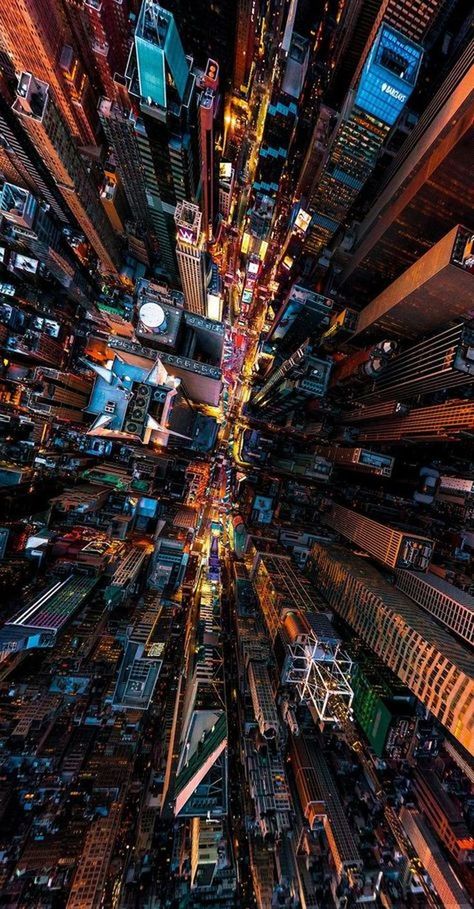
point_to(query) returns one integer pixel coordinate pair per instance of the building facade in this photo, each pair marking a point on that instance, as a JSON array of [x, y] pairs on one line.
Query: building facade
[[430, 662]]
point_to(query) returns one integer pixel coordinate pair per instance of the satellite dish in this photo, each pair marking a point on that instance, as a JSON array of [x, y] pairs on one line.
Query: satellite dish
[[152, 316]]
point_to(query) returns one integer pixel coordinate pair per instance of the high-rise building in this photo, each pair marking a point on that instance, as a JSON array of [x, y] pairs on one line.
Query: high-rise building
[[118, 123], [414, 19], [93, 865], [226, 188], [197, 362], [282, 590], [301, 314], [207, 102], [300, 379], [426, 183], [281, 117], [202, 775], [36, 37], [30, 226], [382, 705], [278, 131], [437, 288], [375, 412], [191, 256], [429, 661], [41, 621], [102, 32], [307, 184], [441, 361], [58, 394], [20, 159], [386, 82], [162, 86], [208, 849], [448, 604], [321, 804], [443, 815], [244, 45], [388, 545], [369, 362], [362, 460], [432, 858], [436, 422], [43, 122], [349, 43]]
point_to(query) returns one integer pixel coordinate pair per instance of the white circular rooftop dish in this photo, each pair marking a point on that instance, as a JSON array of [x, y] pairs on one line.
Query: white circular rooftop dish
[[152, 315]]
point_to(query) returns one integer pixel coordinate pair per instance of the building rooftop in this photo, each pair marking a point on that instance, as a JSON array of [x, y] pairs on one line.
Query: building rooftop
[[159, 55], [137, 679], [52, 608], [414, 616]]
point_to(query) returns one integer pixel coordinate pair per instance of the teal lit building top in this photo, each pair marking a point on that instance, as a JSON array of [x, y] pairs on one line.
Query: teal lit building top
[[159, 51], [389, 75]]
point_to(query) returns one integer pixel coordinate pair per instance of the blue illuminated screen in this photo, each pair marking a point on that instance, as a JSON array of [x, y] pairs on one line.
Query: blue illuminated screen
[[389, 75]]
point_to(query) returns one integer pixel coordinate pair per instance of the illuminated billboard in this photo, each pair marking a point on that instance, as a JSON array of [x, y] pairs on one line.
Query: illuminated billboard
[[187, 235], [225, 170], [211, 76], [23, 263], [303, 220], [245, 243], [292, 309], [316, 308], [389, 75]]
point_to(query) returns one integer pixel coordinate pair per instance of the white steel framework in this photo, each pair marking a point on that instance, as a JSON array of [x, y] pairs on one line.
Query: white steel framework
[[320, 672]]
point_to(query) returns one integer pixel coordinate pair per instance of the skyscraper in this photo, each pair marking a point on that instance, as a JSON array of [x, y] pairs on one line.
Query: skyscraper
[[361, 460], [43, 122], [300, 379], [191, 257], [37, 40], [301, 315], [207, 102], [277, 134], [450, 606], [386, 82], [19, 153], [442, 360], [435, 289], [350, 40], [244, 45], [102, 32], [387, 545], [435, 422], [446, 882], [162, 87], [426, 183], [435, 667], [118, 123]]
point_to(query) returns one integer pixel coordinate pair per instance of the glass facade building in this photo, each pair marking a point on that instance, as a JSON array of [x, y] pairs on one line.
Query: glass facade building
[[389, 76], [386, 82]]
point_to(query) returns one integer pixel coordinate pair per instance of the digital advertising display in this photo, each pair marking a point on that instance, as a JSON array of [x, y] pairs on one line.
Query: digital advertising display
[[389, 75], [303, 220]]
